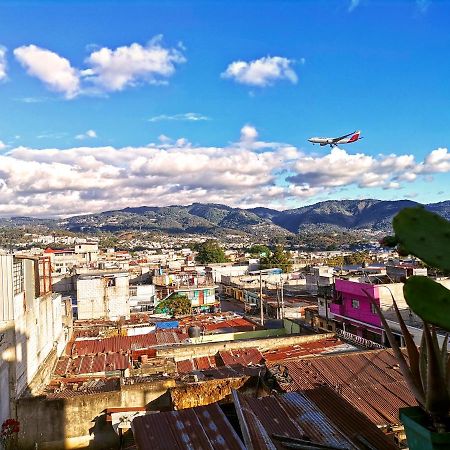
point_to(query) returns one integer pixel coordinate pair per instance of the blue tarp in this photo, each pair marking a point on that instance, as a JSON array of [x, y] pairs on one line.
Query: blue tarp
[[167, 325]]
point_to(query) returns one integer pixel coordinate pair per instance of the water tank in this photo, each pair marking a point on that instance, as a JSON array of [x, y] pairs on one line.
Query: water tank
[[194, 331]]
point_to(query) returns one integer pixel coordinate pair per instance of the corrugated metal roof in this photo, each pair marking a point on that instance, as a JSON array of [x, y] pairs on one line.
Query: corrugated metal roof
[[245, 356], [92, 364], [205, 427], [76, 387], [370, 381], [352, 423], [319, 416], [305, 349]]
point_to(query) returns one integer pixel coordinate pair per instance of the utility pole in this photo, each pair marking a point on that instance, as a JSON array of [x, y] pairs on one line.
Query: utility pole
[[261, 297], [282, 298], [278, 302]]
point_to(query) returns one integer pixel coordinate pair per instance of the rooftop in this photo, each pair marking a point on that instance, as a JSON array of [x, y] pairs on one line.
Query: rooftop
[[319, 418], [371, 381]]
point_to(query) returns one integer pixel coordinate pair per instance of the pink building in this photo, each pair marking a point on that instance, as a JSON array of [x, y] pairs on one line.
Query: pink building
[[352, 308]]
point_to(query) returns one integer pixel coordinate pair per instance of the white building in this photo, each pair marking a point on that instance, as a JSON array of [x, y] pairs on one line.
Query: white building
[[32, 335], [142, 297], [103, 295]]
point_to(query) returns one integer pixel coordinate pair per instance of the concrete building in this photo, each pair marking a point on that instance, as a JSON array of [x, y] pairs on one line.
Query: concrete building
[[103, 295], [87, 252], [353, 312], [319, 276], [142, 297], [32, 335]]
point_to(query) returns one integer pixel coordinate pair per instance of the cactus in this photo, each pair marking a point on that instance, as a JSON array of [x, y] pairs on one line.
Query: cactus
[[427, 370], [424, 234], [427, 236], [429, 300]]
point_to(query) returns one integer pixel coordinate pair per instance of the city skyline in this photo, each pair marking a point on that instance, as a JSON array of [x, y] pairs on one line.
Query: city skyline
[[176, 102]]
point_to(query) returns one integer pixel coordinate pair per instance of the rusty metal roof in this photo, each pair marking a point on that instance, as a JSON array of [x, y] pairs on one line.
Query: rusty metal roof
[[204, 427], [65, 388], [312, 348], [370, 381], [245, 356], [322, 418], [194, 364], [319, 416], [92, 364]]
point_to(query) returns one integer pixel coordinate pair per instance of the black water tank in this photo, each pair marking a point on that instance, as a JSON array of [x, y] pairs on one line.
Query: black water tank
[[194, 331]]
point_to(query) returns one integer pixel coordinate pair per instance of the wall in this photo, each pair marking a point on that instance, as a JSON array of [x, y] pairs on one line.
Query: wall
[[97, 300], [65, 422], [351, 290], [263, 344], [6, 287]]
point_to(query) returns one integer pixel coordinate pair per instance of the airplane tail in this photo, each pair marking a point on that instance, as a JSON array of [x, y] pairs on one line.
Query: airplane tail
[[355, 136]]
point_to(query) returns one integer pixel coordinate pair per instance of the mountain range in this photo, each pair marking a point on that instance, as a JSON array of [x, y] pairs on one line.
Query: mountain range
[[369, 215]]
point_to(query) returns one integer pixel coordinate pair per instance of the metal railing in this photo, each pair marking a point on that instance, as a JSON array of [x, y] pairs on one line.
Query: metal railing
[[357, 340]]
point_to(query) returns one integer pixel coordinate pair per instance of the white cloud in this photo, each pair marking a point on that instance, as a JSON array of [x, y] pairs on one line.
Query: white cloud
[[248, 133], [188, 117], [2, 63], [90, 134], [53, 181], [106, 70], [53, 70], [2, 145], [114, 70], [261, 72], [438, 161], [339, 168]]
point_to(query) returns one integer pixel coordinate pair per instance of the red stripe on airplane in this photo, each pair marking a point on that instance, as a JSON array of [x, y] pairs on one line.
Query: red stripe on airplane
[[354, 138]]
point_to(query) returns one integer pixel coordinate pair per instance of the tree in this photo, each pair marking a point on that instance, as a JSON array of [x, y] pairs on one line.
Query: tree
[[277, 259], [210, 252], [175, 305], [357, 258], [259, 250]]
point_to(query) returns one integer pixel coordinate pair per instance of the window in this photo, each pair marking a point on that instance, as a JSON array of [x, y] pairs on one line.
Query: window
[[355, 304], [372, 308], [18, 277]]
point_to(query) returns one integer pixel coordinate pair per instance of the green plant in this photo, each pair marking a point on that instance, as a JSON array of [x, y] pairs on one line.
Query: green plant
[[427, 369], [175, 305]]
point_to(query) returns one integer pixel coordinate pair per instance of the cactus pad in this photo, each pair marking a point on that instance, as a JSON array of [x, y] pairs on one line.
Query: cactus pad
[[425, 235], [429, 300]]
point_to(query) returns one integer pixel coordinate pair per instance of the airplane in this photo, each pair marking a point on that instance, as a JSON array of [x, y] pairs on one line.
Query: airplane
[[334, 142]]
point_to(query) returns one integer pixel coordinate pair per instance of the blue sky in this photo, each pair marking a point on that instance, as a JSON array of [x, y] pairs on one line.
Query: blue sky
[[146, 95]]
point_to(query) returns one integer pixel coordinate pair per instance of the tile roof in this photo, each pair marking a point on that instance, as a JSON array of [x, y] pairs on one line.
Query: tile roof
[[204, 427], [371, 381]]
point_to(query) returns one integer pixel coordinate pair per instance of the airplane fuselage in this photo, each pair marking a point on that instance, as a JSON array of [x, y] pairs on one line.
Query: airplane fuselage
[[347, 139]]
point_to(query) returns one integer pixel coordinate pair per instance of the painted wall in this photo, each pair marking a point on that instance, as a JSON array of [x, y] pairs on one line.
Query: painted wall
[[351, 291]]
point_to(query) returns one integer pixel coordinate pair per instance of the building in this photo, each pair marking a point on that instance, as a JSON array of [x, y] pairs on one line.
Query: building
[[353, 311], [32, 334], [87, 252], [142, 297], [103, 294], [200, 290]]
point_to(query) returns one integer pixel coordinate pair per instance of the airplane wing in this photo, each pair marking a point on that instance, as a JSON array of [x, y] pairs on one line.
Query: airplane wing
[[343, 137]]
